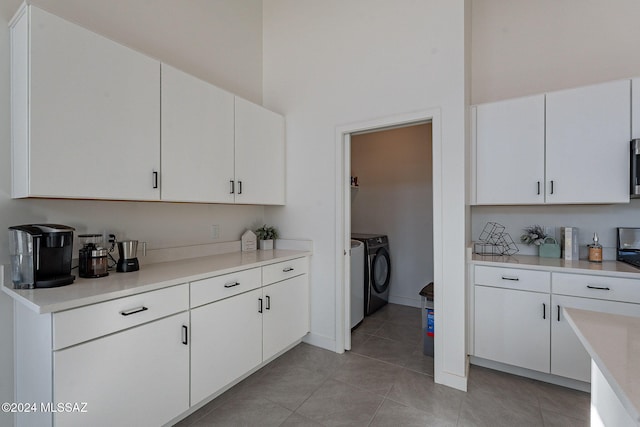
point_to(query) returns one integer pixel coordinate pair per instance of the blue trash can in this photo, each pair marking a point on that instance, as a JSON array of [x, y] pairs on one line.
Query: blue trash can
[[428, 320]]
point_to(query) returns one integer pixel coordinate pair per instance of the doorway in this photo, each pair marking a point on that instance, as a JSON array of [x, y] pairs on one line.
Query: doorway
[[344, 139]]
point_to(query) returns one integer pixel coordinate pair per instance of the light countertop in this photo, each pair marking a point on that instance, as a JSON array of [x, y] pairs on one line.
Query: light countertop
[[613, 342], [605, 268], [150, 277]]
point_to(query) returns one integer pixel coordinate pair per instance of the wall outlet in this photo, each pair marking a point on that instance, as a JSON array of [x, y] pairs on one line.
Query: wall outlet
[[550, 231], [215, 232]]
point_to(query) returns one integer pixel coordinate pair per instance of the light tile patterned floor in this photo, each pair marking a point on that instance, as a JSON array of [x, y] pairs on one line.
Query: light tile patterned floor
[[385, 380]]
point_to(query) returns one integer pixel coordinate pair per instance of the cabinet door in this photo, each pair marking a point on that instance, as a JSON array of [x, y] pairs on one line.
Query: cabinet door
[[94, 115], [197, 139], [635, 108], [226, 342], [286, 314], [510, 151], [512, 327], [259, 154], [568, 356], [136, 377], [587, 143]]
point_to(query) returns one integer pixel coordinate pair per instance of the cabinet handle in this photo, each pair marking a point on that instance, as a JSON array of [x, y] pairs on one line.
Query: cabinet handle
[[233, 186], [239, 187], [260, 309], [538, 188], [155, 180], [551, 187], [134, 311], [601, 288], [185, 335], [288, 269], [558, 313], [231, 284], [514, 278], [268, 307], [544, 310]]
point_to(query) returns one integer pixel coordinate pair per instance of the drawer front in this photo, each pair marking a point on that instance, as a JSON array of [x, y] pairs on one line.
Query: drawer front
[[599, 287], [82, 324], [284, 270], [227, 285], [513, 278]]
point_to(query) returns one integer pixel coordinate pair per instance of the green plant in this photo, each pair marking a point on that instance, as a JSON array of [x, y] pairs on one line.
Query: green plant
[[266, 233], [533, 235]]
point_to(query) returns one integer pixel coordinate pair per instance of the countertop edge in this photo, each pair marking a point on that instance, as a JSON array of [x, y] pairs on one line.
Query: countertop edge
[[42, 308], [615, 386]]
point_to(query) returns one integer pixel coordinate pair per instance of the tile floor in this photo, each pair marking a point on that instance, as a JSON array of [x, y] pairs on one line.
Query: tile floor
[[385, 380]]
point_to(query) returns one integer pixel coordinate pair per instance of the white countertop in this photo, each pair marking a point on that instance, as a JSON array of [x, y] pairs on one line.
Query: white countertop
[[148, 278], [613, 342], [605, 268]]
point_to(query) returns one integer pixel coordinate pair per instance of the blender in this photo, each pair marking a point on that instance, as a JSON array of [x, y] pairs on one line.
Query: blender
[[128, 262], [92, 257]]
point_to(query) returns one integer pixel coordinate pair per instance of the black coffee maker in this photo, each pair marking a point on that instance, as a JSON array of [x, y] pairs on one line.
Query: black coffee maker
[[41, 255]]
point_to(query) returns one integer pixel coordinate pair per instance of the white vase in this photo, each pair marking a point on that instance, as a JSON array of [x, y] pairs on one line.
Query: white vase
[[266, 245]]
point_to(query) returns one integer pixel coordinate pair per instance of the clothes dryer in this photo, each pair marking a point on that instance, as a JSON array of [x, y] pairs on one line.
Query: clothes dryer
[[377, 271]]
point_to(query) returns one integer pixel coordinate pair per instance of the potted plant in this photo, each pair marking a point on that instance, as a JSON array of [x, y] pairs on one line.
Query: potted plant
[[266, 236], [533, 235]]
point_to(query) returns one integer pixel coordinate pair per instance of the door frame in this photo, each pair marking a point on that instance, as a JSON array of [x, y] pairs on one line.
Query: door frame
[[343, 206]]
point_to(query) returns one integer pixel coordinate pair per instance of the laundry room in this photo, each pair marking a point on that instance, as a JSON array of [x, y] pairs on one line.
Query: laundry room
[[392, 218]]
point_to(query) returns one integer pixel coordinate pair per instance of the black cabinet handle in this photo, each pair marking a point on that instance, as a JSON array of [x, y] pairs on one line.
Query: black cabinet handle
[[233, 186], [601, 288], [558, 313], [155, 180], [260, 309], [288, 269], [185, 335], [515, 279], [134, 311], [268, 303], [538, 188], [239, 187], [551, 187], [231, 285], [544, 310]]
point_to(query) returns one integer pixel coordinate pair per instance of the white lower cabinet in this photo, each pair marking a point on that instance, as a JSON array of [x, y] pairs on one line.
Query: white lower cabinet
[[568, 356], [512, 327], [139, 376], [226, 342], [286, 314]]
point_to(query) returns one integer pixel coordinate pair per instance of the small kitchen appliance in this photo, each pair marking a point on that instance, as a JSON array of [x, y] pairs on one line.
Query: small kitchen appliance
[[92, 257], [41, 255], [629, 245], [128, 262]]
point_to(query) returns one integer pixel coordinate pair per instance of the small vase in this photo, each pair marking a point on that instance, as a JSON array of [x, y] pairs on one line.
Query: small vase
[[266, 245]]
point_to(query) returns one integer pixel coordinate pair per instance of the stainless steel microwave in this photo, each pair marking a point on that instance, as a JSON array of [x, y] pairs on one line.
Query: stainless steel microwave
[[634, 190]]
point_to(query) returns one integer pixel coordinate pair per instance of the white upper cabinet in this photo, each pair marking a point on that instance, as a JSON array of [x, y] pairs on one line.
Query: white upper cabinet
[[587, 144], [510, 151], [565, 147], [635, 108], [85, 113], [259, 155], [197, 139]]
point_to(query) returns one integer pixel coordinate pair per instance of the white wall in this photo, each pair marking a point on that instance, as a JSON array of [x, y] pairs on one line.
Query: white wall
[[331, 63], [395, 198], [522, 47], [218, 41]]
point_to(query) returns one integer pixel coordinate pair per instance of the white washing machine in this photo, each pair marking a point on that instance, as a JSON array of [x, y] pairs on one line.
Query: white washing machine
[[357, 282]]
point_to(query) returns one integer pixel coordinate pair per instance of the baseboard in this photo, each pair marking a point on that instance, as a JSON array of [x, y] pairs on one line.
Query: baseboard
[[320, 341], [528, 373], [451, 380], [411, 302]]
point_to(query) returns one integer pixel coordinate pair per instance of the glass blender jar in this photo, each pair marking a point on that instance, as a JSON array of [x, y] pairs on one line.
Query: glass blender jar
[[92, 259]]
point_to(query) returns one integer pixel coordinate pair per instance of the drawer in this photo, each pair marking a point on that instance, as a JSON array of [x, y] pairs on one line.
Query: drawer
[[82, 324], [513, 278], [227, 285], [599, 287], [284, 270]]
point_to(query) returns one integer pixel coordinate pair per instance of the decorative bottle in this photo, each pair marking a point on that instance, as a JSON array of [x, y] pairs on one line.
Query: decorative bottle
[[595, 250]]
